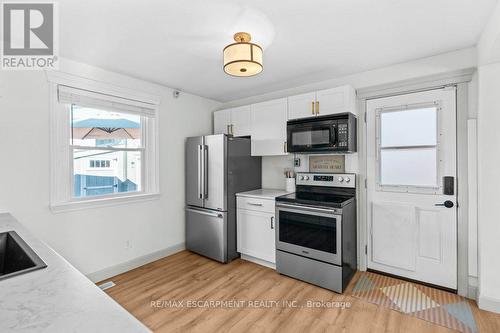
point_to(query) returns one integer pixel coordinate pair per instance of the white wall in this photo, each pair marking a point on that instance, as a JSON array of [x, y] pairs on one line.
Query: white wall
[[488, 185], [92, 239], [489, 41], [488, 164]]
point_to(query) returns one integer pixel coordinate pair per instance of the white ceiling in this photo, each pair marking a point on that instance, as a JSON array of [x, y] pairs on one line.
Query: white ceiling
[[179, 43]]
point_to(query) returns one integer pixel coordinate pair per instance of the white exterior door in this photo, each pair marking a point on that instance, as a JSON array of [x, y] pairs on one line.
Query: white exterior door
[[411, 150]]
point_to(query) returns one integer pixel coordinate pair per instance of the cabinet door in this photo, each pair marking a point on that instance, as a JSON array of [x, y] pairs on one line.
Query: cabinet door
[[256, 234], [269, 128], [336, 100], [241, 121], [222, 120], [301, 106]]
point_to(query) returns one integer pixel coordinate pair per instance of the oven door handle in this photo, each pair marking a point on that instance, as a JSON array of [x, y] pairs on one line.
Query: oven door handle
[[331, 211]]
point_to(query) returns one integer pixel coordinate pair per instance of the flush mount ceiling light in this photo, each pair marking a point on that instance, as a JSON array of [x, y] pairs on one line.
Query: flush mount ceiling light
[[242, 58]]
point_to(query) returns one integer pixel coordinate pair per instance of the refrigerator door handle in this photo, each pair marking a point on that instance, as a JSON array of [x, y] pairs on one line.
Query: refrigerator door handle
[[205, 172], [200, 173]]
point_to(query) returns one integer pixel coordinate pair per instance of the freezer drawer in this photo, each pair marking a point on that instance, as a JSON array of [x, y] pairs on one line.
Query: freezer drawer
[[206, 233]]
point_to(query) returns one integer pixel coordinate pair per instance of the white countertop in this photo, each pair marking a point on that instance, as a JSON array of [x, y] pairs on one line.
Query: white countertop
[[263, 193], [57, 298]]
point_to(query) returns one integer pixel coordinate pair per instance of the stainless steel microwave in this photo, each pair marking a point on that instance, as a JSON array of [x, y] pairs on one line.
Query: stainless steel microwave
[[331, 133]]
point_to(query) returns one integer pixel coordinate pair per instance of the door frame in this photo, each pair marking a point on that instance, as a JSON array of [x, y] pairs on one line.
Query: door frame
[[460, 79]]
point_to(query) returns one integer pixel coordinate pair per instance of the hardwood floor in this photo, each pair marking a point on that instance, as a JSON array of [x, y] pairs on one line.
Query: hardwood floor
[[186, 277]]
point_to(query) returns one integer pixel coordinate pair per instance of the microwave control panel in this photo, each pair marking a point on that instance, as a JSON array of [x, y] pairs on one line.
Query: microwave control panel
[[342, 134]]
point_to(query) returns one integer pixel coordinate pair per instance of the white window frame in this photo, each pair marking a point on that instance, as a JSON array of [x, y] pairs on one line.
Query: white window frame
[[61, 168], [409, 188]]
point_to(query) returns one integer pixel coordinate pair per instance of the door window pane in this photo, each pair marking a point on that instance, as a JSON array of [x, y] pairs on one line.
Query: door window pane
[[413, 127], [410, 167], [115, 172]]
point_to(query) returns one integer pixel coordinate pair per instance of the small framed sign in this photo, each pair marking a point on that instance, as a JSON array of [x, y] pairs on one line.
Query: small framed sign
[[327, 163]]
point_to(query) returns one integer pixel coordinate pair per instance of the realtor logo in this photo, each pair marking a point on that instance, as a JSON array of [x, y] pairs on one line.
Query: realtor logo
[[29, 36]]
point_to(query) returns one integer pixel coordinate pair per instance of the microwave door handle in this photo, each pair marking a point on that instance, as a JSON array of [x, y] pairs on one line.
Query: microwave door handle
[[334, 135]]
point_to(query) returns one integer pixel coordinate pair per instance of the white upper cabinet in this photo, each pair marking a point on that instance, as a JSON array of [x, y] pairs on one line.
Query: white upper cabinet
[[301, 106], [235, 121], [265, 122], [323, 102], [336, 100], [269, 128], [241, 121], [222, 121]]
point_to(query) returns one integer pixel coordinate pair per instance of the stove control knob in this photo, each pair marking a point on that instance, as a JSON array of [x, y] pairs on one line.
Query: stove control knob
[[347, 179], [301, 177], [306, 177], [341, 179]]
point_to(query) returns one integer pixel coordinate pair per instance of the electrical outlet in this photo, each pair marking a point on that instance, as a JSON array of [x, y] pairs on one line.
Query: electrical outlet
[[296, 162], [128, 244]]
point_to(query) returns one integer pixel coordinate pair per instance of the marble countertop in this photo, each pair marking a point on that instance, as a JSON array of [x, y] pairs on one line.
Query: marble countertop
[[57, 298], [263, 193]]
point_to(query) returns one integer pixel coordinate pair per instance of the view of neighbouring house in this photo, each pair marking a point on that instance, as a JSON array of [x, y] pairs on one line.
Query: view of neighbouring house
[[106, 152]]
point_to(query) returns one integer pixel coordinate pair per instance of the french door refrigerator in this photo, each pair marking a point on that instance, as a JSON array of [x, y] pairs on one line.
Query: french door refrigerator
[[217, 167]]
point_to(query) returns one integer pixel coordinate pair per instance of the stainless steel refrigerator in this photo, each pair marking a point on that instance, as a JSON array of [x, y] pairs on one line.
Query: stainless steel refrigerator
[[217, 167]]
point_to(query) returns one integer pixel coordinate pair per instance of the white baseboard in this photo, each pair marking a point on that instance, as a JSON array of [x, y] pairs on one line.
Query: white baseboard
[[134, 263], [258, 261], [489, 303]]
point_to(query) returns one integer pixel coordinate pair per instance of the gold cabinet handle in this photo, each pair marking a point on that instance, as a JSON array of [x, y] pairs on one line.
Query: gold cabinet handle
[[317, 107], [284, 146], [312, 107]]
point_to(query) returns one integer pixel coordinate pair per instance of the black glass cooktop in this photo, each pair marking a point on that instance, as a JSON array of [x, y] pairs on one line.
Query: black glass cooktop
[[317, 199]]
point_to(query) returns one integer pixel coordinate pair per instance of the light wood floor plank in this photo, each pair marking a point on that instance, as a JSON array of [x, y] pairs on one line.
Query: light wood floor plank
[[187, 276]]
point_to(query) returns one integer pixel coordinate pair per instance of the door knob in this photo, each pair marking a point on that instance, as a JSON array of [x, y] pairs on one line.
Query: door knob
[[447, 204]]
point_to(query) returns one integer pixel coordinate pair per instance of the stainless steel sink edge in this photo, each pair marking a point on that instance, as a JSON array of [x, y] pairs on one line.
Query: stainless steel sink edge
[[39, 263]]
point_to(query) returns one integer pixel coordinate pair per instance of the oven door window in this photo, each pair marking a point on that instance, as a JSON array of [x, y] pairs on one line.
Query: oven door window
[[313, 137], [308, 231]]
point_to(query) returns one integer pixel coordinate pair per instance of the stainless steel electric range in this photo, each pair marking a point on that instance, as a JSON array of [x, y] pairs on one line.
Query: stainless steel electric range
[[316, 230]]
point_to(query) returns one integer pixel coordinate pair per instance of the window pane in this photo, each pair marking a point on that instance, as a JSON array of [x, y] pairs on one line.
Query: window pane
[[120, 172], [410, 167], [416, 127], [99, 128]]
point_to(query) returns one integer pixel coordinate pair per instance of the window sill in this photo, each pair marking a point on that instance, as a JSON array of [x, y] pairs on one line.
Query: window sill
[[101, 202]]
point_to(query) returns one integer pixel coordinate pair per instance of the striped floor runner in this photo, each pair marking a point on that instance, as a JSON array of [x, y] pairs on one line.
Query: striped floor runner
[[430, 304]]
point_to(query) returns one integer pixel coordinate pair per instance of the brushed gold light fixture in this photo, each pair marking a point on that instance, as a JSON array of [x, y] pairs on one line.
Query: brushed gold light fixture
[[243, 58]]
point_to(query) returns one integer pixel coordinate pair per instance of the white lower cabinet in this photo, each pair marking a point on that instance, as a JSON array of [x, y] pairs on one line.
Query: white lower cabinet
[[256, 234]]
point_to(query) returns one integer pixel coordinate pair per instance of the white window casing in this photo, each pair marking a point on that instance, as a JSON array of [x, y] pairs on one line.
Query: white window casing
[[65, 90]]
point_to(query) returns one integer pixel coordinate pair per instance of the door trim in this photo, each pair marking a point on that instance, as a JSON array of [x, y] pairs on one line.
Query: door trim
[[461, 80]]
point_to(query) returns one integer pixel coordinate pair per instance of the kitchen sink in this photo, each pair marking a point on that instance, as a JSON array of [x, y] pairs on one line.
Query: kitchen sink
[[16, 257]]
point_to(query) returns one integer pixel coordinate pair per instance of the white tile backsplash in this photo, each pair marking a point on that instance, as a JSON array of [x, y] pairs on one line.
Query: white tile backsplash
[[273, 168]]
